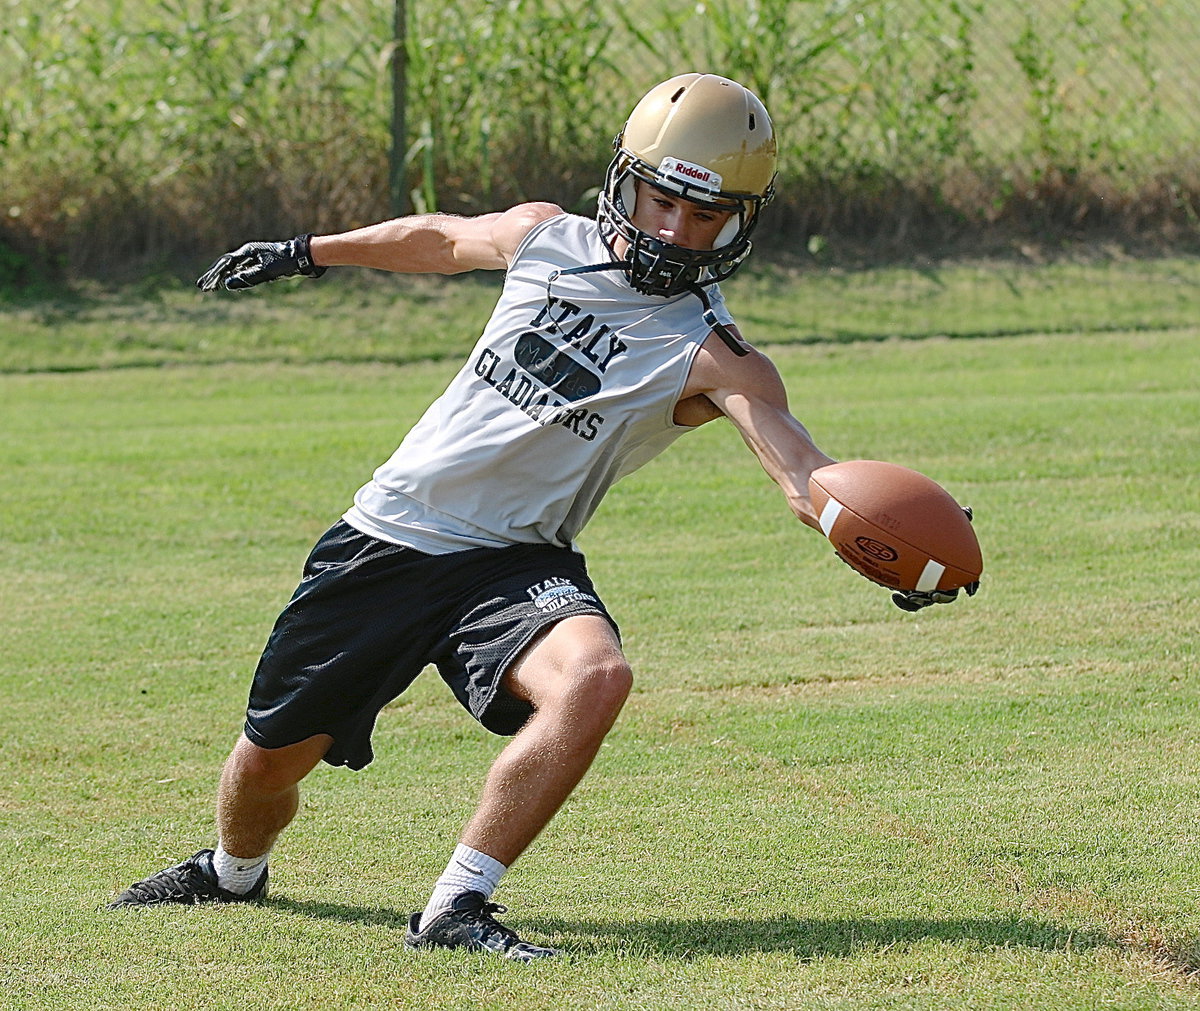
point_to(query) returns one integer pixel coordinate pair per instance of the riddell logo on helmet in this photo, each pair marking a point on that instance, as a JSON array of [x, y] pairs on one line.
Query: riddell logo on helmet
[[685, 171]]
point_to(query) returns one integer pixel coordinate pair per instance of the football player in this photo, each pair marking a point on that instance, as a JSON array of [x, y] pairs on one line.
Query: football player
[[609, 341]]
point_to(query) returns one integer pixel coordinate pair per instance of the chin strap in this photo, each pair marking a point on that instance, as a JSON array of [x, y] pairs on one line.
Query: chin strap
[[589, 268], [709, 316], [719, 328]]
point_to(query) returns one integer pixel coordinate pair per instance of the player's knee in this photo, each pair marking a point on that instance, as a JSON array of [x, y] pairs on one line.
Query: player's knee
[[601, 685], [271, 770]]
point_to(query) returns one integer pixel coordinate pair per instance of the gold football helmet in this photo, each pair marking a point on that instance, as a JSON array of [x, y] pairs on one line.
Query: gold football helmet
[[704, 138]]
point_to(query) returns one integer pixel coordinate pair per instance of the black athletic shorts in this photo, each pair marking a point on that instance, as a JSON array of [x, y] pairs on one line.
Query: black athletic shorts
[[369, 616]]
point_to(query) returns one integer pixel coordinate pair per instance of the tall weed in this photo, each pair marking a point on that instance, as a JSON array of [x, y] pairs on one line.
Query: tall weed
[[508, 99]]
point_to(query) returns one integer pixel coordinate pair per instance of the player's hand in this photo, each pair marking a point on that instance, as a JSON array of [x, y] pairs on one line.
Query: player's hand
[[257, 262], [915, 600]]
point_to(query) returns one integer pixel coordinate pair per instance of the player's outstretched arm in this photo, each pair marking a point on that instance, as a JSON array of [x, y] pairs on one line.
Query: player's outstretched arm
[[418, 244], [435, 243], [748, 391]]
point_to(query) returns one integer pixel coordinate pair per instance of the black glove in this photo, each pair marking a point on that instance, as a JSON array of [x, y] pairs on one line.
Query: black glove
[[914, 600], [256, 262]]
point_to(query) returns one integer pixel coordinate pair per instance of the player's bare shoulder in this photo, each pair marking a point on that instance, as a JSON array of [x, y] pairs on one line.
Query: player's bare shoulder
[[487, 241], [717, 369], [510, 227]]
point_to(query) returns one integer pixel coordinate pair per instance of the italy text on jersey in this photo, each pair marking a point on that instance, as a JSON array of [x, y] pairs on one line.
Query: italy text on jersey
[[542, 379]]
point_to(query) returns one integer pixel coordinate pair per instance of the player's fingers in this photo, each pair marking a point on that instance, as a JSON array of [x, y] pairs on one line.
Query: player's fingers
[[240, 274], [230, 266], [909, 601], [241, 280], [211, 278]]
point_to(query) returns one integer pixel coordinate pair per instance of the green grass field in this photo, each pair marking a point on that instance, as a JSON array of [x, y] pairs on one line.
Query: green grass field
[[812, 800]]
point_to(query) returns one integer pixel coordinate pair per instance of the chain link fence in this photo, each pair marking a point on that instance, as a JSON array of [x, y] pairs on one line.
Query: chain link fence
[[142, 129]]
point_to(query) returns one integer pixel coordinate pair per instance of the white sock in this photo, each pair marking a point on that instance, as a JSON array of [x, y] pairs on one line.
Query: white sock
[[237, 874], [468, 871]]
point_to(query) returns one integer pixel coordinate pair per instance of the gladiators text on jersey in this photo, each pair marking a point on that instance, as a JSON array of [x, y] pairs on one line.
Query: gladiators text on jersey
[[543, 379]]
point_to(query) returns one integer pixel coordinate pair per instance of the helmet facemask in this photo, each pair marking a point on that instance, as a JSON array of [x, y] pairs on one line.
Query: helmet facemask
[[657, 267]]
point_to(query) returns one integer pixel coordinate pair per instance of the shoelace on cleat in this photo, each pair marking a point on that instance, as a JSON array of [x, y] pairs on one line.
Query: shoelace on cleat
[[497, 936], [188, 880], [485, 916]]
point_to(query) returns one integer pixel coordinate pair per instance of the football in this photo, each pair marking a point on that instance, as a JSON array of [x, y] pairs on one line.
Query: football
[[895, 526]]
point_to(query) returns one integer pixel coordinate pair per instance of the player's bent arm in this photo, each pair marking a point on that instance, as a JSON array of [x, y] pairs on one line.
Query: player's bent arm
[[749, 392], [434, 243]]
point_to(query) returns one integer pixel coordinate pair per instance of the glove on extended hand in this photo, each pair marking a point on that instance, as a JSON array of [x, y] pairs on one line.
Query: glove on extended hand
[[914, 600], [256, 262]]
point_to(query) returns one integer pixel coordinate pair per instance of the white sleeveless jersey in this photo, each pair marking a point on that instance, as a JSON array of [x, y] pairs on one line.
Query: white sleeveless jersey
[[567, 391]]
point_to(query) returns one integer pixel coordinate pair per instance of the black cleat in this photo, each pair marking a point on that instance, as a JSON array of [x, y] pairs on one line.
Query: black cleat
[[471, 925], [191, 882]]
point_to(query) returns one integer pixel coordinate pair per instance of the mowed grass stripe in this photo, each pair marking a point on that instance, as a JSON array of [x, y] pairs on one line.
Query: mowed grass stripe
[[351, 317]]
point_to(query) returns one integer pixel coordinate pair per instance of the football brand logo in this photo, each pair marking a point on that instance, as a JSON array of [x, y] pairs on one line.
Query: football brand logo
[[876, 549]]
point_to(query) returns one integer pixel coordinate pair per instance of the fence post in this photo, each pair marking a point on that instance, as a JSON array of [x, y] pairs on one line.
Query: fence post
[[397, 181]]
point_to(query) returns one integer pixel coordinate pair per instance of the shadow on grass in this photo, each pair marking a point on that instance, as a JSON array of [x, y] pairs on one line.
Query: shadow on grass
[[379, 917], [807, 938], [802, 937]]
